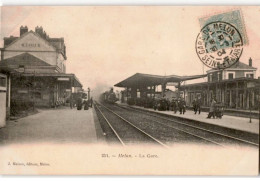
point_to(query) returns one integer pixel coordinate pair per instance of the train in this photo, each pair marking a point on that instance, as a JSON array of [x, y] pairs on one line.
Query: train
[[109, 96]]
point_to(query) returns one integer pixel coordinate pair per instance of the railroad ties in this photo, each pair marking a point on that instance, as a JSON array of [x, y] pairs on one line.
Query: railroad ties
[[127, 126]]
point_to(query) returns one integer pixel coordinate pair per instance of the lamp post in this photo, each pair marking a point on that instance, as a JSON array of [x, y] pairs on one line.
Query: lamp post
[[250, 119], [88, 93], [259, 106]]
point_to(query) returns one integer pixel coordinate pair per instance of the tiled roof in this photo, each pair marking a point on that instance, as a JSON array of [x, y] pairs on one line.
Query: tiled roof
[[23, 59], [139, 79], [241, 65], [9, 40]]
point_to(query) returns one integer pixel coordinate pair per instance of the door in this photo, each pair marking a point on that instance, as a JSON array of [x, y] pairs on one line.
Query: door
[[2, 100]]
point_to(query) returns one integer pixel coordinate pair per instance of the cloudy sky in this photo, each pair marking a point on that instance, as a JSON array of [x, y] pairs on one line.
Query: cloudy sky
[[108, 44]]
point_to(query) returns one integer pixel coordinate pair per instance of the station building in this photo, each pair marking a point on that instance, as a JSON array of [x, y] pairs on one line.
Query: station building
[[143, 86], [236, 87], [35, 68]]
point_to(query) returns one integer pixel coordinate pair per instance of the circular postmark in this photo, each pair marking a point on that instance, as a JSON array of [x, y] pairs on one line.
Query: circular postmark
[[219, 45]]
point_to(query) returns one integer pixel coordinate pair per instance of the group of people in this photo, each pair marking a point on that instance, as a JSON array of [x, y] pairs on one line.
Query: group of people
[[215, 109], [84, 102], [178, 104], [175, 104]]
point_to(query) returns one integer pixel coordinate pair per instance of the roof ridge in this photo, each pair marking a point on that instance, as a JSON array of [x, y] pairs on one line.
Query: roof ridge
[[36, 34], [246, 64], [235, 66]]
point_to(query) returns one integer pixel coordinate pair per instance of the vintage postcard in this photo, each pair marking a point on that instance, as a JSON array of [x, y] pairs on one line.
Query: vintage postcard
[[129, 90]]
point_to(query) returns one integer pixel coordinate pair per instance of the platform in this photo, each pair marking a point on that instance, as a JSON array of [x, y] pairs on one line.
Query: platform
[[234, 112], [61, 125], [233, 122]]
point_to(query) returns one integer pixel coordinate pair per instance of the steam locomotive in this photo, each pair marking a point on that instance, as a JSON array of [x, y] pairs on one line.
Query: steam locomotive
[[109, 97]]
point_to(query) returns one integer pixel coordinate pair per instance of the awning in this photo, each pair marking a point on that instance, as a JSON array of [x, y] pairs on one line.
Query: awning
[[7, 70], [59, 76], [141, 80]]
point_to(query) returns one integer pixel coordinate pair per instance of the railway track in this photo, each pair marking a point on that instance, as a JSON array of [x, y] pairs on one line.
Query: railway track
[[163, 133], [124, 131], [195, 130]]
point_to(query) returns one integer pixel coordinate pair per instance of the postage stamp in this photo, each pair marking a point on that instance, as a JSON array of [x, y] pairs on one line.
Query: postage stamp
[[234, 18], [219, 45]]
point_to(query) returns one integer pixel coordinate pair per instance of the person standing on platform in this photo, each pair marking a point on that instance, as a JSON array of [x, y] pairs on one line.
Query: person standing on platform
[[85, 102], [91, 102], [194, 104], [79, 103], [179, 104], [174, 105], [212, 109], [198, 105], [182, 106], [168, 102], [71, 101]]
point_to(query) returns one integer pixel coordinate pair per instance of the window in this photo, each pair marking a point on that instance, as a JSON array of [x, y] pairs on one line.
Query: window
[[230, 75], [198, 95], [37, 95], [138, 94], [219, 78], [249, 75], [210, 77], [2, 82]]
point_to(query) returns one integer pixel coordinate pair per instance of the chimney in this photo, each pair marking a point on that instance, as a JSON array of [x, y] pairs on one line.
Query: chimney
[[23, 30], [39, 31], [44, 35], [250, 62]]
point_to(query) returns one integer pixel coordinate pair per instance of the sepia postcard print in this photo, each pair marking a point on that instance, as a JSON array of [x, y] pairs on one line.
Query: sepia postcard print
[[129, 90]]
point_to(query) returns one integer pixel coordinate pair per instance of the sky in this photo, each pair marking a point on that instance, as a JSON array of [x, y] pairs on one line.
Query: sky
[[106, 44]]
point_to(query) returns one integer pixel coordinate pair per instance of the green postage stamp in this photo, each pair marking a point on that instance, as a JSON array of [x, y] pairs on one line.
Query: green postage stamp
[[234, 18], [220, 42]]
